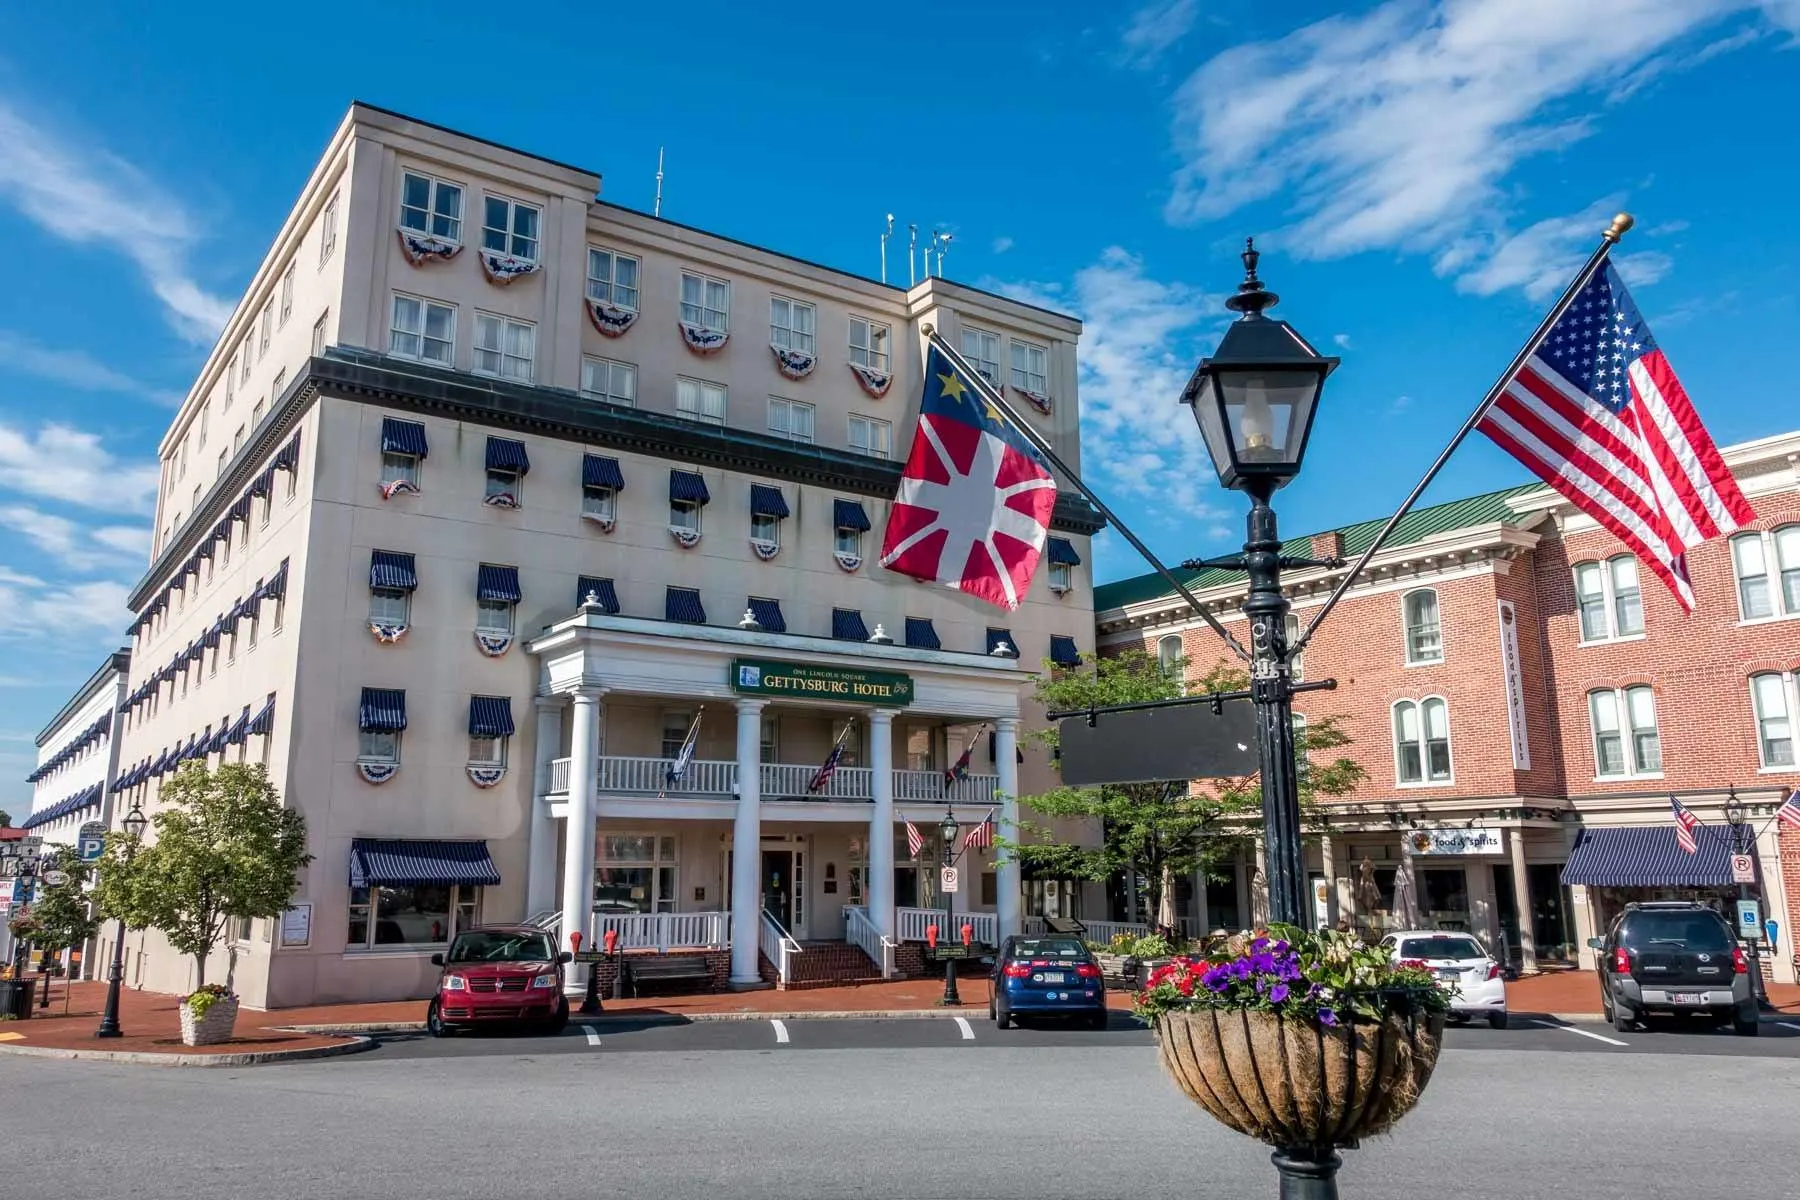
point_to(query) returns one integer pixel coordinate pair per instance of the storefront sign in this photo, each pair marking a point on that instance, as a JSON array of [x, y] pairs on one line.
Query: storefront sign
[[1457, 841], [296, 927], [759, 677], [1515, 687]]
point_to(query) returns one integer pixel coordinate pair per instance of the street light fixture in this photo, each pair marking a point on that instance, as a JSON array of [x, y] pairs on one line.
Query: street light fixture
[[1743, 839], [134, 825], [948, 828]]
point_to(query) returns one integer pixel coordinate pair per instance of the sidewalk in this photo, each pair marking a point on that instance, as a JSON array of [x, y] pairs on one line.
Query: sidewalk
[[1571, 992]]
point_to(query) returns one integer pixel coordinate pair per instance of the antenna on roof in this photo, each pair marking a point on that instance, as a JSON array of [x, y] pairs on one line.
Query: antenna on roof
[[943, 245], [659, 175], [912, 247], [885, 235]]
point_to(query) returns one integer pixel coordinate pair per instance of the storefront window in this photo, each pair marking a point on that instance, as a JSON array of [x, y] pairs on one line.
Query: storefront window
[[421, 915], [636, 874], [1446, 895]]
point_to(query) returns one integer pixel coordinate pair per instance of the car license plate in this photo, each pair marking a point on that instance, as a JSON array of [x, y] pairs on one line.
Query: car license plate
[[1053, 976], [1684, 997], [1449, 976]]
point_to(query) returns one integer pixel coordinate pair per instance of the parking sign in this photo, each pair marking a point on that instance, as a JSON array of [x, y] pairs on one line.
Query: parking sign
[[90, 843], [1749, 920], [1743, 870], [947, 880]]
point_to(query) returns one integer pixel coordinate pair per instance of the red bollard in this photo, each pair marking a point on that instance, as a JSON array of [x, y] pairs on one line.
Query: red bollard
[[968, 932], [931, 934]]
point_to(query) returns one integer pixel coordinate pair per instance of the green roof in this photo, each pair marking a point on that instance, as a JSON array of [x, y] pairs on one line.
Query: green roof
[[1419, 524]]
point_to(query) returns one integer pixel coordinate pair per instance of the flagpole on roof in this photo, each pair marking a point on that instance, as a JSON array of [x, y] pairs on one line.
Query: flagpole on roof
[[993, 396], [1620, 225]]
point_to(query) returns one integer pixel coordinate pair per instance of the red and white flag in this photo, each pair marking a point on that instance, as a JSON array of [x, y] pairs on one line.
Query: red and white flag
[[973, 511], [1597, 413], [1789, 812], [980, 836], [1686, 825], [915, 841]]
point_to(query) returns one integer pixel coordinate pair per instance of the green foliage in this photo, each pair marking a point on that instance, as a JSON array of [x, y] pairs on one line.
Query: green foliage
[[205, 996], [223, 847], [61, 916], [5, 819]]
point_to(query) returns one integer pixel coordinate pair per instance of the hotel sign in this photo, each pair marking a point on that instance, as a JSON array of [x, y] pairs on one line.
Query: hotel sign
[[761, 677]]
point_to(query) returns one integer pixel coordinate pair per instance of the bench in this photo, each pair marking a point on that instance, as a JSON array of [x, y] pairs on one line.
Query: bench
[[662, 969]]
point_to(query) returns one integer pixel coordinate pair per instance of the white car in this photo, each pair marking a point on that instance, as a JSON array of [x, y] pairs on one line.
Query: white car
[[1461, 964]]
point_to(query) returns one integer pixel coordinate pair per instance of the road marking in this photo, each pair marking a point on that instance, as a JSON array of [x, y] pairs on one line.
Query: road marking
[[1581, 1033], [781, 1033], [968, 1032], [1789, 1025], [593, 1035]]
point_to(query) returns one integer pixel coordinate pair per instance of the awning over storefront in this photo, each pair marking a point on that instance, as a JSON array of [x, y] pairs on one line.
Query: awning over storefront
[[374, 862], [1646, 857]]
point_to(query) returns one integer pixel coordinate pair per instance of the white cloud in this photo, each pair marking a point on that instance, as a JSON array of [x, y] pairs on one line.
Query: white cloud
[[74, 368], [87, 196], [1342, 340], [1154, 28], [75, 546], [1002, 245], [62, 463], [62, 611]]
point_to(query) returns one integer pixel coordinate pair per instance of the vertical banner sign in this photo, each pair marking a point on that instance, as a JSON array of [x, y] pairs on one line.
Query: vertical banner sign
[[1515, 687]]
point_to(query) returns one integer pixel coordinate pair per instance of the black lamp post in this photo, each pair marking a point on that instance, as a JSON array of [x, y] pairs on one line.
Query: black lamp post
[[1254, 400], [1743, 841], [948, 829], [134, 824]]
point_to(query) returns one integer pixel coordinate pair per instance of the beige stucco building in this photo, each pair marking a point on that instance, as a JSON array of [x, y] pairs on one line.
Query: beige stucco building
[[460, 398]]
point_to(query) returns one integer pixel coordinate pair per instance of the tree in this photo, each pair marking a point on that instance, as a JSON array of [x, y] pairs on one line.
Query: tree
[[223, 848], [1161, 831], [60, 916], [5, 819]]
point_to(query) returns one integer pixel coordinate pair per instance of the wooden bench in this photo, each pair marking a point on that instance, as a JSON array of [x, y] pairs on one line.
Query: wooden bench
[[662, 969]]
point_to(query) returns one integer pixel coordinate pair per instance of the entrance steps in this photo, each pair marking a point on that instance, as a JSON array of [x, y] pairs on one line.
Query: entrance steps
[[824, 964]]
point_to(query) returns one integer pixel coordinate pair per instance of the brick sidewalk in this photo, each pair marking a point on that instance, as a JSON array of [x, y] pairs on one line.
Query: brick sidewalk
[[1577, 991]]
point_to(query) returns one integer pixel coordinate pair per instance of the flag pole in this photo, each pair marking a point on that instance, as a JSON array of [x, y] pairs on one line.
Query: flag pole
[[992, 395], [1620, 225]]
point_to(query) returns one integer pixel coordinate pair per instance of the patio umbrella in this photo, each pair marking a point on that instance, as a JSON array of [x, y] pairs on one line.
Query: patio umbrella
[[1406, 908]]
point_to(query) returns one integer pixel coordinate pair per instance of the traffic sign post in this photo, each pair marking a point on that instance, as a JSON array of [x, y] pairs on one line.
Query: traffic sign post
[[947, 880], [90, 842], [1749, 920], [1743, 869]]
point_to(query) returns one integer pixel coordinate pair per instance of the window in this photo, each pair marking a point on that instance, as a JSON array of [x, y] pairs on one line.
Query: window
[[494, 616], [510, 228], [224, 457], [237, 440], [848, 541], [1422, 741], [675, 728], [1062, 576], [613, 382], [869, 344], [490, 727], [790, 419], [274, 394], [399, 468], [684, 516], [205, 416], [771, 739], [328, 230], [636, 874], [389, 606], [1290, 625], [1030, 368], [1751, 556], [244, 361], [1169, 655], [431, 206], [318, 333], [1616, 714], [1424, 636], [700, 401], [504, 347], [612, 278], [1770, 695], [766, 528], [378, 746], [982, 349], [1608, 600], [791, 324], [600, 503], [287, 295], [706, 302], [410, 915], [423, 330], [871, 437], [265, 328]]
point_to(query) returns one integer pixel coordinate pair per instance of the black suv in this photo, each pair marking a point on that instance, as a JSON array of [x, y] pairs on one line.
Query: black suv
[[1674, 957]]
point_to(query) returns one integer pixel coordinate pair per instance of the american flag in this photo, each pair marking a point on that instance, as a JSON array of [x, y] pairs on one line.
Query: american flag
[[973, 510], [1685, 825], [823, 775], [1789, 812], [980, 836], [915, 841], [960, 769], [1597, 413]]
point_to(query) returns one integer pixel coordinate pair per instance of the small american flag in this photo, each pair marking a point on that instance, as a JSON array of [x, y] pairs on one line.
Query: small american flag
[[823, 775], [1685, 825], [1789, 812], [960, 769], [982, 835], [1597, 413], [915, 841]]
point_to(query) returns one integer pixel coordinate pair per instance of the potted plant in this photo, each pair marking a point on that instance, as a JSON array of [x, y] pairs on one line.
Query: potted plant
[[1306, 1041], [208, 1015], [1114, 957]]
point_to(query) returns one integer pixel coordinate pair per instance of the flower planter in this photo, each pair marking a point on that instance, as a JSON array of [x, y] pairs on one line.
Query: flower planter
[[211, 1029], [1116, 969]]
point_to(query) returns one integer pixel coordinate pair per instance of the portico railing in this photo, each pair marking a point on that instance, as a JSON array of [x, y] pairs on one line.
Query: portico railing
[[665, 931], [910, 924], [778, 947], [860, 932], [628, 775]]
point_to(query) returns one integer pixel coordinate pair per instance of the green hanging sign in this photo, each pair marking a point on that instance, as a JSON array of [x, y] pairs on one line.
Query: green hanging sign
[[763, 677]]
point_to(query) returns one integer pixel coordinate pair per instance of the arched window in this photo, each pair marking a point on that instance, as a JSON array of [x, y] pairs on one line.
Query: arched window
[[1168, 654], [1424, 635], [1296, 664], [1422, 741]]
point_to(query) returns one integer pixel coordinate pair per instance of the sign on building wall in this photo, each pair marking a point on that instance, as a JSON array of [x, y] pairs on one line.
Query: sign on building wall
[[1456, 841], [1515, 687], [760, 677]]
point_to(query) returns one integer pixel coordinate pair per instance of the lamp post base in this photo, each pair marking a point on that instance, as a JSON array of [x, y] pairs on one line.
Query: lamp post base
[[950, 998], [1305, 1175]]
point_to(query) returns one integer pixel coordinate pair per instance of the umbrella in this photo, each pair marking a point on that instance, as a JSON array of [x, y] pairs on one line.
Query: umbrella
[[1406, 908]]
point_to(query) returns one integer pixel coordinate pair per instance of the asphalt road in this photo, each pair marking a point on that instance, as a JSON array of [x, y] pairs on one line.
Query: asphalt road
[[1035, 1117]]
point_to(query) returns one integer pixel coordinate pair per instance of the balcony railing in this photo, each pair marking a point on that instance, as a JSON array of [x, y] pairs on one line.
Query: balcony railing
[[665, 931], [626, 775], [910, 925]]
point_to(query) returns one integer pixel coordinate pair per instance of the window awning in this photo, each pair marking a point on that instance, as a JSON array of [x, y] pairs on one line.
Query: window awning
[[497, 583], [263, 483], [688, 485], [240, 509], [768, 614], [490, 716], [998, 637], [683, 604], [392, 570], [847, 623], [240, 729], [601, 589], [383, 710], [276, 588], [598, 472], [263, 723], [849, 514], [1637, 856], [1063, 652], [921, 634], [766, 501], [378, 862], [506, 454], [403, 437], [221, 736], [289, 457], [1062, 550]]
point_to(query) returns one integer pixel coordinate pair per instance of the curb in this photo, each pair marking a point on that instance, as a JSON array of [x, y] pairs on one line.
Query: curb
[[252, 1058], [660, 1018]]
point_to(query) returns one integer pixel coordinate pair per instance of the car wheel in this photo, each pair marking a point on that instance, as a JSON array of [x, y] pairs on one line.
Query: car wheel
[[1746, 1026], [991, 1014], [1622, 1020], [559, 1020], [1003, 1019], [1097, 1020], [1497, 1020], [434, 1022]]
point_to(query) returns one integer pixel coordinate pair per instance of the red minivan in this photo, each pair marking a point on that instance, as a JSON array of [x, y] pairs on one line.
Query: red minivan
[[499, 973]]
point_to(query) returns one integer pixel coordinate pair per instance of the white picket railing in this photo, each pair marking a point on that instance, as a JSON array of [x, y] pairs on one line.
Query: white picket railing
[[778, 947], [718, 777], [666, 931], [860, 932], [929, 786], [910, 923], [1105, 931], [559, 775], [1032, 925], [790, 780]]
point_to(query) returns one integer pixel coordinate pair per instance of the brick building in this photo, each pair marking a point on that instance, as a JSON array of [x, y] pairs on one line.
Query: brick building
[[1524, 702]]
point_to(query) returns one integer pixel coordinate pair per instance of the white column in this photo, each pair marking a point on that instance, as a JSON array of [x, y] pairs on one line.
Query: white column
[[746, 848], [879, 887], [578, 831], [540, 860], [1328, 865], [1007, 881], [1515, 844]]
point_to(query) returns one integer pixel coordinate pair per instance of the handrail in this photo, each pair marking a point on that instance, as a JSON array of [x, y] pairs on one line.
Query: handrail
[[778, 946], [860, 931], [550, 920]]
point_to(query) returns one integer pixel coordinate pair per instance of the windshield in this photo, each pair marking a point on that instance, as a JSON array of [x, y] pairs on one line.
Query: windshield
[[1441, 947], [1048, 948], [483, 946], [1685, 931]]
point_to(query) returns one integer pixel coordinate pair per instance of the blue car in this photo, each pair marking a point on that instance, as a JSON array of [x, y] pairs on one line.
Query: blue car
[[1047, 976]]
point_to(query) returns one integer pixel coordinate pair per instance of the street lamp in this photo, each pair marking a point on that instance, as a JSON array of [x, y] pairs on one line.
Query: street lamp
[[1737, 815], [1254, 401], [948, 829], [134, 824]]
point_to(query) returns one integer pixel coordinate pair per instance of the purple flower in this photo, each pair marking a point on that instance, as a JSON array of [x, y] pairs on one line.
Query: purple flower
[[1328, 1018], [1314, 990], [1216, 980], [1258, 943], [1280, 947], [1278, 993]]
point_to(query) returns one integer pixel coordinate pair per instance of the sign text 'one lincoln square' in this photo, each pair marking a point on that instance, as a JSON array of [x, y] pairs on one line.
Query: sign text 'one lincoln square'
[[760, 677]]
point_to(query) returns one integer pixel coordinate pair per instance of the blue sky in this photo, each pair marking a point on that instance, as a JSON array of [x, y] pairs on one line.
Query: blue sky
[[1421, 175]]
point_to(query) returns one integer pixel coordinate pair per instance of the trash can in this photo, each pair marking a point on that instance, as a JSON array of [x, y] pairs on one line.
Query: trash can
[[16, 996]]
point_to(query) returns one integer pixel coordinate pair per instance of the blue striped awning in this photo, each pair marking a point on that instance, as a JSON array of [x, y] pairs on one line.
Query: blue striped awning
[[264, 721], [505, 454], [392, 570], [497, 583], [921, 634], [683, 604], [1062, 550], [263, 483], [1647, 857], [403, 437], [289, 458], [375, 862], [768, 614], [847, 623], [688, 485], [383, 710], [490, 716], [849, 514], [995, 637], [240, 509], [240, 729], [598, 472], [1063, 652], [85, 798], [276, 588], [767, 501], [221, 736], [601, 589]]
